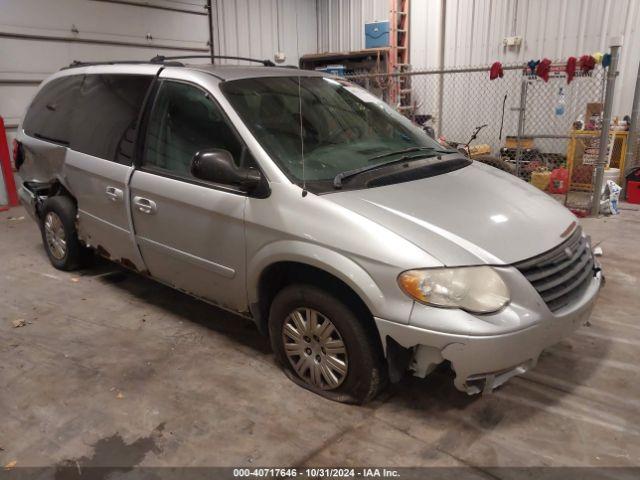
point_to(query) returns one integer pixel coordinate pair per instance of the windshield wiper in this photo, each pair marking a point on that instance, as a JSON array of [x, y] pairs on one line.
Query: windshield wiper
[[337, 180], [409, 150]]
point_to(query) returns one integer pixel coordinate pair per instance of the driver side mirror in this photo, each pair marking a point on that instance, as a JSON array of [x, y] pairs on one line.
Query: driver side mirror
[[217, 165]]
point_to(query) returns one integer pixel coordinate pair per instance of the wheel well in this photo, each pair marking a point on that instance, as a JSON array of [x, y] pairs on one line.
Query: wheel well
[[47, 190], [282, 274], [58, 188]]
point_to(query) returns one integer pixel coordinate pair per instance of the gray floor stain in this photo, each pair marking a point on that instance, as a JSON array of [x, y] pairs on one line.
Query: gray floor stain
[[110, 454]]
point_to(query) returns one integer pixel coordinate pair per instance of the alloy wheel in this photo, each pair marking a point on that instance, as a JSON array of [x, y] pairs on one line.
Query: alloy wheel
[[54, 233]]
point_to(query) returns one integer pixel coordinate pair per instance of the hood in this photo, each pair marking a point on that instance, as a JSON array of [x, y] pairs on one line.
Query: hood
[[475, 215]]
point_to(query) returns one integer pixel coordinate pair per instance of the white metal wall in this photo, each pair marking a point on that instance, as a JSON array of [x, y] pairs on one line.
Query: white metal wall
[[475, 30], [341, 22], [555, 29], [259, 28]]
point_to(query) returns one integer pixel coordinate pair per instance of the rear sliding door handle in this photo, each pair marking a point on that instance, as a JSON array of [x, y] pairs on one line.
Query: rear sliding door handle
[[114, 194], [144, 205]]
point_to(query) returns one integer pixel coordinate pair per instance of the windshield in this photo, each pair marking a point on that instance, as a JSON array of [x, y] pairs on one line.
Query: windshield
[[342, 128]]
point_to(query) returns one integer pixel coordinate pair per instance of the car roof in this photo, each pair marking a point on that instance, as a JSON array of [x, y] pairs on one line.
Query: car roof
[[222, 72], [236, 72]]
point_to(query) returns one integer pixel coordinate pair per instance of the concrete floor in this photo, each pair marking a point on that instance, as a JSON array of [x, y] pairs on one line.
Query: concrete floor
[[112, 368]]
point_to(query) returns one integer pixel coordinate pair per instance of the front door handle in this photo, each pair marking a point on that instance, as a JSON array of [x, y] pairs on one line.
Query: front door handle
[[114, 194], [145, 205]]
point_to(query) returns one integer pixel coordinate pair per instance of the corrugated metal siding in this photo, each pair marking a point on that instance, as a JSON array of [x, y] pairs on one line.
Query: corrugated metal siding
[[550, 28], [475, 30], [341, 22], [260, 28], [424, 34]]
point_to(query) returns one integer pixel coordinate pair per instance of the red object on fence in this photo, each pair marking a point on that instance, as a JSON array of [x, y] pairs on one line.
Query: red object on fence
[[543, 69], [559, 180], [571, 68], [587, 63], [7, 171], [496, 71]]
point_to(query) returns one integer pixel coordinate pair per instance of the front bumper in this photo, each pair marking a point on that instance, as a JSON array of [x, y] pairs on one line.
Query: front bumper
[[485, 361]]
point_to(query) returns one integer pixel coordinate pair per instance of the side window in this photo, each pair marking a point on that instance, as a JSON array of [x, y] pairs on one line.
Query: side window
[[49, 115], [104, 123], [184, 121]]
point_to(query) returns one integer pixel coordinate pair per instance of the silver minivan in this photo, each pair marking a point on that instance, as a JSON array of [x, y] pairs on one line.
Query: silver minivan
[[362, 247]]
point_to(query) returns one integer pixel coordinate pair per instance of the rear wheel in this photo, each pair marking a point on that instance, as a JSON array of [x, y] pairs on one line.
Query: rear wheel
[[59, 233], [323, 345]]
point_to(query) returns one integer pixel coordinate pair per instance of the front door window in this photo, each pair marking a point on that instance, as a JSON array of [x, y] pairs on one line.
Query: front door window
[[184, 121]]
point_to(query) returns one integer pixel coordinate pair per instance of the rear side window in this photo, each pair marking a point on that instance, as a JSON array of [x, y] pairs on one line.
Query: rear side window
[[104, 121], [49, 115]]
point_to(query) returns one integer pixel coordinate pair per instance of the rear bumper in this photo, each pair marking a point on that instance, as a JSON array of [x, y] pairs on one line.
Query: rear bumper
[[483, 362], [28, 200]]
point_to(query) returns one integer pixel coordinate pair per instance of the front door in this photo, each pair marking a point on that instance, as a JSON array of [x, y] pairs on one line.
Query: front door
[[190, 232]]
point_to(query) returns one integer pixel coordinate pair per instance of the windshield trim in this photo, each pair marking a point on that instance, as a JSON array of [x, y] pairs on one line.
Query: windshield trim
[[340, 177]]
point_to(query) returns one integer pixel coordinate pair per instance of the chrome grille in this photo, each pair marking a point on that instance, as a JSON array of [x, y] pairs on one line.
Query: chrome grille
[[562, 273]]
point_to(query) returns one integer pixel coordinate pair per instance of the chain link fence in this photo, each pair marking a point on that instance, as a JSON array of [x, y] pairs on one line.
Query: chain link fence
[[456, 100], [526, 121]]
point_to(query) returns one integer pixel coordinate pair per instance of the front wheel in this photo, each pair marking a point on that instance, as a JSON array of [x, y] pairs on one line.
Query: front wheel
[[323, 345]]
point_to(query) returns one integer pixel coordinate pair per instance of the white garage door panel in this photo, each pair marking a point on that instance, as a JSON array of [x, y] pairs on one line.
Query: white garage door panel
[[36, 59], [106, 21], [196, 6], [13, 99]]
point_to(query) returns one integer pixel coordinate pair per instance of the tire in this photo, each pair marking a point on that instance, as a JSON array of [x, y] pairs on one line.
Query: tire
[[58, 222], [318, 367]]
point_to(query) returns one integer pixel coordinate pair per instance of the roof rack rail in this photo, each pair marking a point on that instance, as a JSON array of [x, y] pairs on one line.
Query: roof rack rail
[[169, 61], [78, 63], [163, 59]]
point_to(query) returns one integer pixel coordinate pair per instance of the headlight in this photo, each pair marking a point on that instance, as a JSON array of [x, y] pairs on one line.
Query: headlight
[[474, 289]]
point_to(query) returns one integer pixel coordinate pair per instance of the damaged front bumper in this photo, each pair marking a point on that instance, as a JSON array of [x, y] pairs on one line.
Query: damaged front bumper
[[498, 346]]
